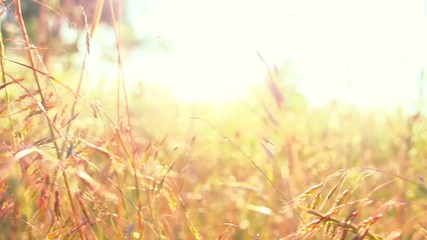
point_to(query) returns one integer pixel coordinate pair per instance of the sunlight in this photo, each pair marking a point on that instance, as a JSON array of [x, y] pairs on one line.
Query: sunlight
[[143, 129], [339, 50], [191, 76]]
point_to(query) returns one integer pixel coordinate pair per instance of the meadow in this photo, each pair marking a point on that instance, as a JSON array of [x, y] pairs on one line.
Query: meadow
[[79, 161]]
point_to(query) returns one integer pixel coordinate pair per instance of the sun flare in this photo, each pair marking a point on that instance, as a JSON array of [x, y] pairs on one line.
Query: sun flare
[[335, 54]]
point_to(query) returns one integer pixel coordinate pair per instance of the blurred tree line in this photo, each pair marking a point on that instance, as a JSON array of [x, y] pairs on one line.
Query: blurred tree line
[[54, 25]]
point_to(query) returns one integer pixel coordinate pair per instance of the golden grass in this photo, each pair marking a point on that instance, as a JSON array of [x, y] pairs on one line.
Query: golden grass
[[139, 167]]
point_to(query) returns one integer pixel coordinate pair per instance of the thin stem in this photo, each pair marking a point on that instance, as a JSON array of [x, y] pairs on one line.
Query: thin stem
[[29, 47]]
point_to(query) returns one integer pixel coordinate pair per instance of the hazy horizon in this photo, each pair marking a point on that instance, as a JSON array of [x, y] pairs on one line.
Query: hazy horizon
[[362, 53]]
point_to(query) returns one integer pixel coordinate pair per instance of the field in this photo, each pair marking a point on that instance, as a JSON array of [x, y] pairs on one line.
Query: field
[[79, 161]]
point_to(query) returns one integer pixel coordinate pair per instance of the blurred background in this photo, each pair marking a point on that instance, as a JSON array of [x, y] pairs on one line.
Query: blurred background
[[370, 54], [301, 114]]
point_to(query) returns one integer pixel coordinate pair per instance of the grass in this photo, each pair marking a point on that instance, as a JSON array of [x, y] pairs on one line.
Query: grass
[[77, 163]]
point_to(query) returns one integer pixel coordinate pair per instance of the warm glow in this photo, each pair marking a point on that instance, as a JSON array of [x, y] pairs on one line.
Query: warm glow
[[364, 52]]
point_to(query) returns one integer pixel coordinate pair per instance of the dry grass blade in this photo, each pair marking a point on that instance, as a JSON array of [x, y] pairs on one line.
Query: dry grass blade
[[132, 162], [97, 16], [10, 83]]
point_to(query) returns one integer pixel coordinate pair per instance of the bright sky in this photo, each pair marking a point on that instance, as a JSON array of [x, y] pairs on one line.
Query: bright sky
[[370, 53]]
